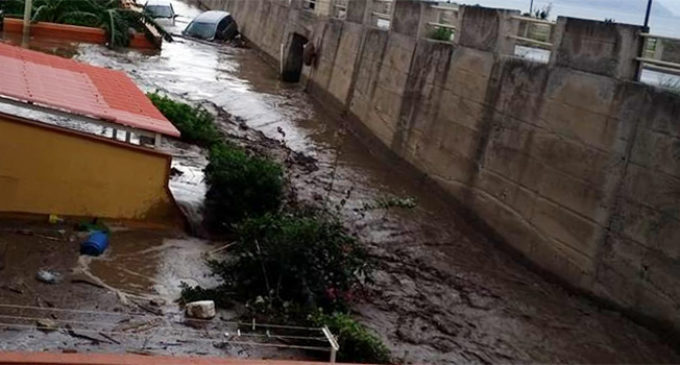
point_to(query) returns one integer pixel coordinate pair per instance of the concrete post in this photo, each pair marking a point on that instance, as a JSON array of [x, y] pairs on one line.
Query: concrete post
[[603, 48], [488, 29], [357, 11], [406, 17]]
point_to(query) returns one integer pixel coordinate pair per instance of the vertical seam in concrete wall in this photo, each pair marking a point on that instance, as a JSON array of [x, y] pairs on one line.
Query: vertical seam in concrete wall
[[616, 206], [493, 91], [415, 94], [335, 53], [355, 71], [407, 109], [371, 93]]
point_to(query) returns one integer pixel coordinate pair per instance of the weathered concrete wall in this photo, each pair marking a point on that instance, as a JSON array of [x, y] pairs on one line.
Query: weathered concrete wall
[[572, 163], [49, 170]]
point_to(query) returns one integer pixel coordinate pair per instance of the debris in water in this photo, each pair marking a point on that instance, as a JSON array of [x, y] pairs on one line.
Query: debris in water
[[47, 277], [202, 309], [95, 244], [157, 302], [12, 289], [73, 333], [53, 219], [151, 309], [176, 172], [109, 338], [46, 325]]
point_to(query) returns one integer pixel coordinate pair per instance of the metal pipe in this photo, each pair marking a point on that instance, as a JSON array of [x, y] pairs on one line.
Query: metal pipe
[[649, 12], [28, 7], [531, 8]]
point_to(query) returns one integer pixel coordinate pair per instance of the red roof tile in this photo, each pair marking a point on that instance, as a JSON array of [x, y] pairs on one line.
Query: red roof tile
[[78, 88]]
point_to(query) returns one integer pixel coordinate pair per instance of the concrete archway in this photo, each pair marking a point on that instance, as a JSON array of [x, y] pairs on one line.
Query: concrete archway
[[291, 67]]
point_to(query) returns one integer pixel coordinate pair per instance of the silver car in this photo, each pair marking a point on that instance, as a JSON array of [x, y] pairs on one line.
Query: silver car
[[212, 25], [160, 10]]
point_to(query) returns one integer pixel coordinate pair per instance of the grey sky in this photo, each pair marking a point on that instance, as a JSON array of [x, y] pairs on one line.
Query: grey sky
[[665, 18]]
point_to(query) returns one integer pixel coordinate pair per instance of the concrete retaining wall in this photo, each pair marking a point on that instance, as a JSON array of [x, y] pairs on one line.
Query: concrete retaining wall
[[572, 163]]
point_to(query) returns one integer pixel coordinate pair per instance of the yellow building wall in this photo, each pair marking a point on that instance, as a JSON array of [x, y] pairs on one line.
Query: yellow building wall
[[47, 170]]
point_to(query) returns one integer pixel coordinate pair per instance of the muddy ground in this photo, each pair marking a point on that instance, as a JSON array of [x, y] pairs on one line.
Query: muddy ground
[[443, 293]]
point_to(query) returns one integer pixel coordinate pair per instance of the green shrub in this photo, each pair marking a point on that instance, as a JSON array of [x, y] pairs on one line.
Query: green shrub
[[303, 259], [357, 343], [240, 186], [192, 294], [442, 34], [196, 124]]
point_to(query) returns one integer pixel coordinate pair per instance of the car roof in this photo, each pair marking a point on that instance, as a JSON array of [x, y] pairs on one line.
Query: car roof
[[158, 3], [212, 16]]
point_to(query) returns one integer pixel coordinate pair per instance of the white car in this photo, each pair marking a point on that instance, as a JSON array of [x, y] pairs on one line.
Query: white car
[[160, 10]]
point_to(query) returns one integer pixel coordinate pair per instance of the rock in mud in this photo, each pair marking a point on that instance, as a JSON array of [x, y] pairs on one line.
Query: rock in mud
[[204, 309]]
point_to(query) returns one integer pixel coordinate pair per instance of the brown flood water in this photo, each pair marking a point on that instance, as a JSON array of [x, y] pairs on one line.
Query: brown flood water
[[444, 292]]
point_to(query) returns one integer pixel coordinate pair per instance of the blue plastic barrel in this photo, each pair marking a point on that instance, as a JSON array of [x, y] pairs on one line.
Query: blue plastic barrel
[[96, 244]]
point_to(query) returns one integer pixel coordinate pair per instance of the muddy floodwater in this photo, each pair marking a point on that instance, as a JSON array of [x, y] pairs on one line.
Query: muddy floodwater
[[443, 292]]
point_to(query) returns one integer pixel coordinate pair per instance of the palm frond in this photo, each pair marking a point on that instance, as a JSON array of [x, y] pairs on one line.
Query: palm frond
[[40, 14], [112, 28], [80, 18], [12, 7]]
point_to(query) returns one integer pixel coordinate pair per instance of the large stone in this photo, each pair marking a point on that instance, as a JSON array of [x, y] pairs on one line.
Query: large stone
[[203, 309]]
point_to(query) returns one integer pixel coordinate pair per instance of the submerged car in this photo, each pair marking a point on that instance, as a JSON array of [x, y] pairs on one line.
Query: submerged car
[[160, 10], [212, 25]]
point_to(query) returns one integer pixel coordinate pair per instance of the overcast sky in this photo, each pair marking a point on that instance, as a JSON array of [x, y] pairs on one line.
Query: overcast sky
[[665, 19], [672, 5]]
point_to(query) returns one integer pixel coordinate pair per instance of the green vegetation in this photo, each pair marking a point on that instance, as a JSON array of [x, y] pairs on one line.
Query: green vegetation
[[442, 34], [357, 343], [196, 293], [287, 264], [196, 124], [241, 185], [305, 258], [106, 14], [293, 266]]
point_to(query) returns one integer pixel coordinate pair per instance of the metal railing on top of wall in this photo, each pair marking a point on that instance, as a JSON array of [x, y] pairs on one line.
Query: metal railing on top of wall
[[653, 54], [339, 9], [534, 38], [381, 13]]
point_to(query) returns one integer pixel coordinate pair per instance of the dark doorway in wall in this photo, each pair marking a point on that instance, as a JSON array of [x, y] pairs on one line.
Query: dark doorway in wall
[[292, 65]]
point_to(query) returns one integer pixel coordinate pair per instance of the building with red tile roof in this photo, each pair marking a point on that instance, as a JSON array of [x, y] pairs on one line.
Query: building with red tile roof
[[64, 85], [60, 146]]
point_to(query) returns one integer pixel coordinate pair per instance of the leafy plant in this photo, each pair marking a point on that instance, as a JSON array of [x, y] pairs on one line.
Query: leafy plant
[[12, 7], [442, 34], [240, 186], [196, 124], [192, 294], [305, 258], [107, 14], [357, 343]]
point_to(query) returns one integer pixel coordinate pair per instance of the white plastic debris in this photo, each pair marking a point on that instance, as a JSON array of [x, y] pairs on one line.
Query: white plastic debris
[[203, 309], [48, 277]]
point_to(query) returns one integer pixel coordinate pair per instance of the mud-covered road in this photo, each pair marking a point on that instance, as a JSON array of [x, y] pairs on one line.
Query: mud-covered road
[[444, 292]]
